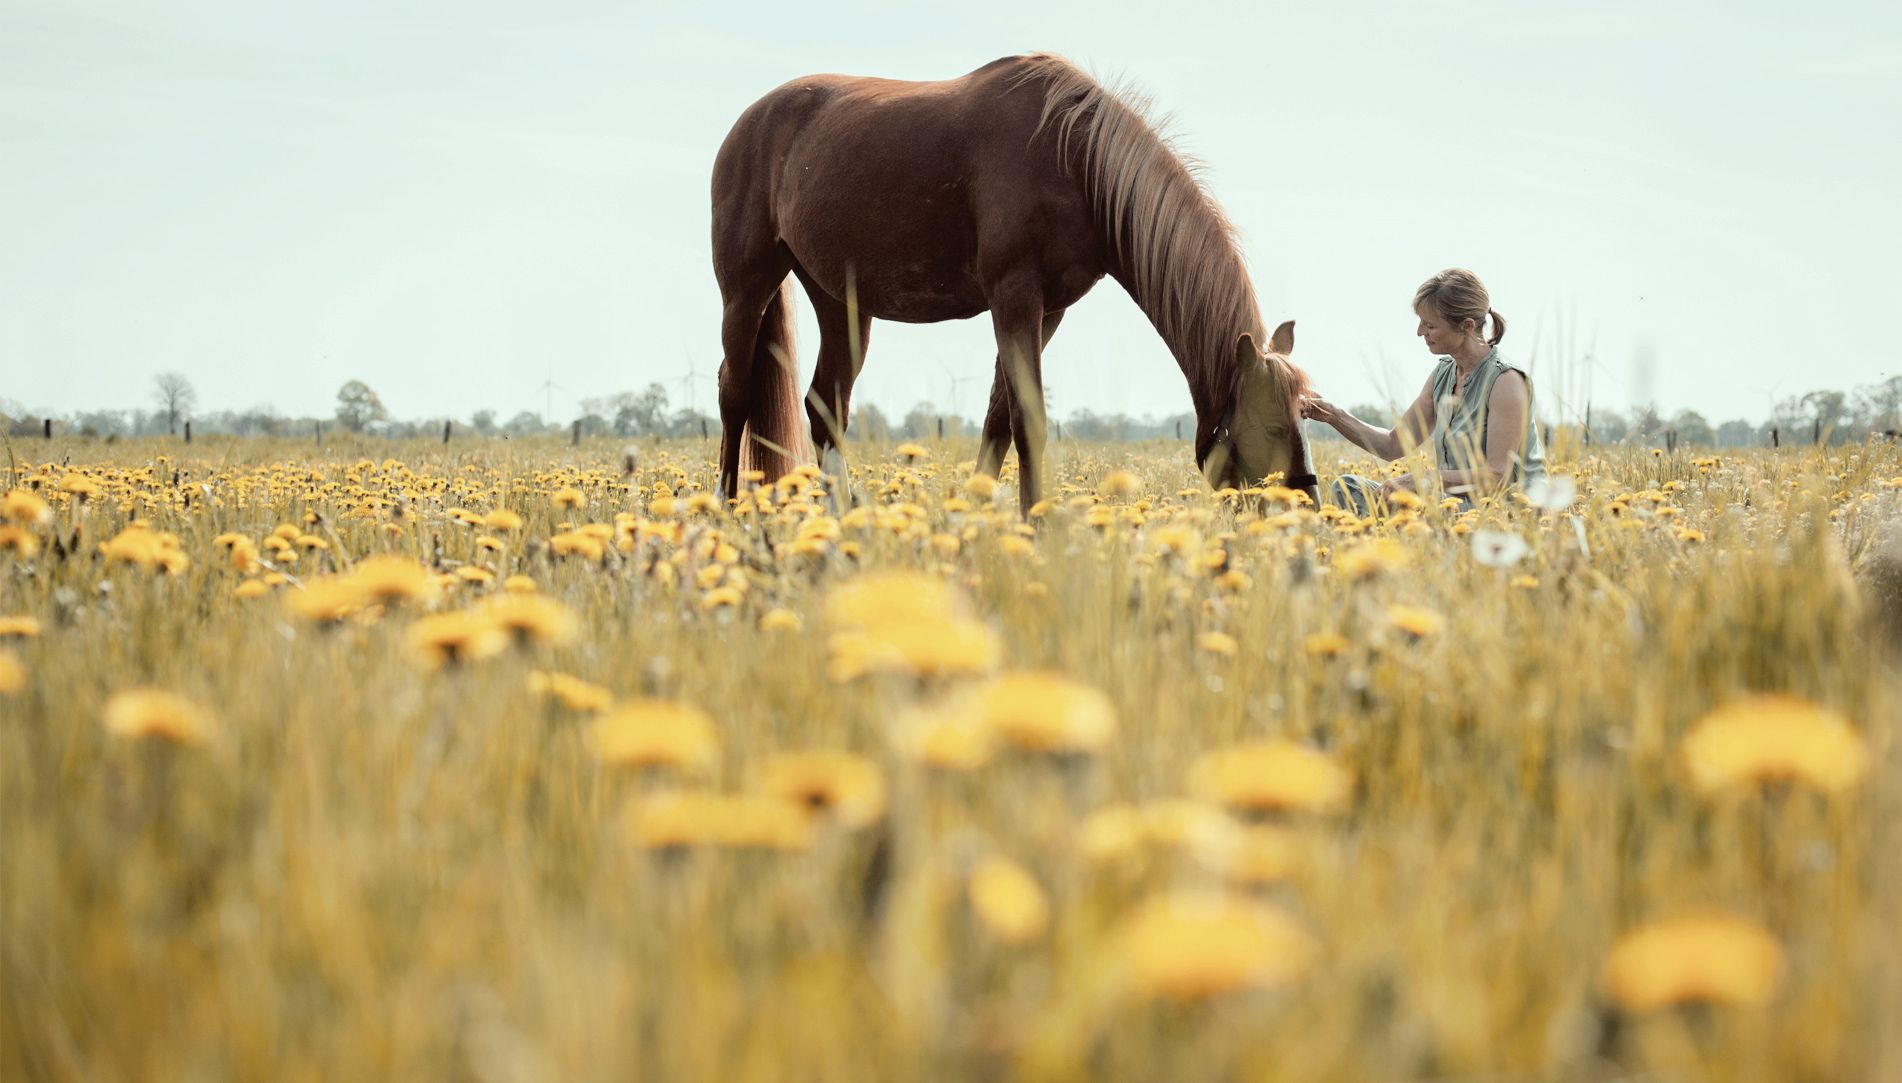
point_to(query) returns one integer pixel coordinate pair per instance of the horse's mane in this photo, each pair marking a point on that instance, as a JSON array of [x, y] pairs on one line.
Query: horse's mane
[[1170, 238]]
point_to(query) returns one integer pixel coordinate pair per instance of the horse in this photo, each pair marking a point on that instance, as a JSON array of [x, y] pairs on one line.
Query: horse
[[1011, 190]]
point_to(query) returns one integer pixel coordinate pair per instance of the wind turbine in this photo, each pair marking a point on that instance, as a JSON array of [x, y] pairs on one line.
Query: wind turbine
[[689, 382], [548, 389]]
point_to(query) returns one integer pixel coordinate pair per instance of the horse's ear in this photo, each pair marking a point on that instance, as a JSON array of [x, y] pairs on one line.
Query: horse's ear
[[1246, 352], [1282, 341]]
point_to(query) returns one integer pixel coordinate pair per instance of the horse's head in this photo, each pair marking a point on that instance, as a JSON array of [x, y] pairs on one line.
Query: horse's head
[[1261, 435]]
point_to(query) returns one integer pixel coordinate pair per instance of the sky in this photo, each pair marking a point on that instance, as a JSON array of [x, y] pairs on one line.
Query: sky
[[499, 205]]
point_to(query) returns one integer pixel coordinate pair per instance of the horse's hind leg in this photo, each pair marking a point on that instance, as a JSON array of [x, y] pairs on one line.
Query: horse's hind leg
[[745, 297]]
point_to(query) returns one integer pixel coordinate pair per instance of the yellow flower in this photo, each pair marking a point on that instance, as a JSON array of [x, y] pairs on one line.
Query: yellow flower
[[1119, 485], [151, 712], [572, 692], [533, 618], [250, 588], [1416, 622], [1372, 558], [656, 733], [1008, 901], [910, 453], [842, 786], [21, 627], [455, 638], [328, 599], [501, 520], [22, 541], [568, 498], [25, 509], [893, 597], [1220, 643], [1523, 582], [1711, 958], [1770, 737], [575, 543], [389, 579], [780, 620], [1273, 776], [145, 548], [957, 647], [1262, 854], [82, 487], [676, 819], [1325, 644], [1046, 712], [1195, 945], [949, 739], [12, 674], [519, 584]]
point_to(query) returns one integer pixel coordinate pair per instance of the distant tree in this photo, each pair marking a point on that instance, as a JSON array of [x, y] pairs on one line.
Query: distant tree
[[1691, 428], [1377, 416], [644, 414], [102, 423], [869, 423], [357, 406], [1736, 433], [483, 421], [526, 423], [260, 420], [1880, 405], [1609, 427], [1828, 411], [921, 421], [175, 398]]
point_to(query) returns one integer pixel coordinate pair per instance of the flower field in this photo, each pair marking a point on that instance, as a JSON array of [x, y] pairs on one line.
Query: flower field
[[516, 761]]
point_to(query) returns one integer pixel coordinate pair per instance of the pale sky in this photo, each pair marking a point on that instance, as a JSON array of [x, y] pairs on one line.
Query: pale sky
[[457, 202]]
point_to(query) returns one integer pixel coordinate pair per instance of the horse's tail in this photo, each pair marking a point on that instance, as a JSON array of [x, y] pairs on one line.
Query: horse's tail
[[775, 438]]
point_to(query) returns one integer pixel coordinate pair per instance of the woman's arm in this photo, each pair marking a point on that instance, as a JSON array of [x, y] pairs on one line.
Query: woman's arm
[[1505, 432], [1386, 443]]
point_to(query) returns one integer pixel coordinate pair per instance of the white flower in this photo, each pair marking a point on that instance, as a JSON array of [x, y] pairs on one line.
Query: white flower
[[1553, 492], [1497, 548]]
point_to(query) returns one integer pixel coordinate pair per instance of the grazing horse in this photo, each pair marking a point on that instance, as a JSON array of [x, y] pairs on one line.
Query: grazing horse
[[1012, 190]]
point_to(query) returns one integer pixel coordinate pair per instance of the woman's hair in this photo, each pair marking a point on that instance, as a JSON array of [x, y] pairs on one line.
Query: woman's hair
[[1458, 295]]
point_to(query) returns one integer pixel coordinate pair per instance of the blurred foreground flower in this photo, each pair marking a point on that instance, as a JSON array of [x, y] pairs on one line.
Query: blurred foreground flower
[[1047, 712], [1273, 776], [1498, 548], [20, 627], [1194, 945], [1369, 559], [678, 818], [533, 618], [146, 549], [656, 733], [841, 786], [448, 639], [23, 508], [1553, 492], [1775, 737], [1008, 901], [152, 712], [12, 674], [388, 580], [571, 692], [1415, 622], [1714, 958]]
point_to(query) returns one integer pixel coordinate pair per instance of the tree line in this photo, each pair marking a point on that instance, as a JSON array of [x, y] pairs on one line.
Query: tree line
[[1818, 416]]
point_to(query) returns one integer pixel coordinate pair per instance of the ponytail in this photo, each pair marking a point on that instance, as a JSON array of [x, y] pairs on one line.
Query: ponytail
[[1499, 327]]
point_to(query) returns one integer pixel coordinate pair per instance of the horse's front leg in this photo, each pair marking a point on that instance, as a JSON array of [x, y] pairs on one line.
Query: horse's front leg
[[997, 419], [1017, 317]]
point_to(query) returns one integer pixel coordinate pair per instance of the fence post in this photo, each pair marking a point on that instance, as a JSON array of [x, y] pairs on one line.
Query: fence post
[[1774, 442], [703, 428], [941, 428], [47, 424], [445, 433], [1816, 431], [1670, 441], [188, 432], [318, 429], [1178, 428], [575, 440]]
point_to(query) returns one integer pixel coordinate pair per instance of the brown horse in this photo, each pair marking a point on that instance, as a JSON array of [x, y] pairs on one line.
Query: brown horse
[[1011, 190]]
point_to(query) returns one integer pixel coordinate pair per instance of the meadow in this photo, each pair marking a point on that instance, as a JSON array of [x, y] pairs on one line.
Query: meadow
[[515, 761]]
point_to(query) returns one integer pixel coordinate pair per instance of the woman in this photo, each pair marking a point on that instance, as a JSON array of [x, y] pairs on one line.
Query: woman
[[1476, 407]]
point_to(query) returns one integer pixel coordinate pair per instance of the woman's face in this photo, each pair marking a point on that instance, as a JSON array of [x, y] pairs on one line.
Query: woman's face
[[1440, 336]]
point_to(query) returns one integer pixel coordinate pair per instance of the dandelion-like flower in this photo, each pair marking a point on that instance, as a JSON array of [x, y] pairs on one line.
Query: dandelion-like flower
[[1191, 946], [141, 713], [1710, 958], [448, 639], [656, 733], [1047, 712], [19, 627], [1767, 738], [25, 509], [840, 786], [1553, 492], [1369, 559], [12, 674], [390, 580], [1498, 548], [1273, 776], [533, 618], [1119, 485], [678, 819], [571, 692], [1008, 901], [1417, 623]]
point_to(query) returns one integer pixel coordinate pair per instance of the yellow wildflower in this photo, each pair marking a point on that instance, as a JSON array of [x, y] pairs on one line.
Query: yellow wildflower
[[1046, 712], [1771, 737], [841, 786], [12, 674], [25, 509], [455, 638], [1272, 776], [1414, 621], [151, 712], [533, 618], [1008, 901], [656, 733], [1195, 945], [20, 627], [1712, 958], [676, 819]]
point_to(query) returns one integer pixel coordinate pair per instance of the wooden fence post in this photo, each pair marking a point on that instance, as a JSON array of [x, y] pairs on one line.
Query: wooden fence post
[[188, 432], [47, 423], [445, 433], [575, 440]]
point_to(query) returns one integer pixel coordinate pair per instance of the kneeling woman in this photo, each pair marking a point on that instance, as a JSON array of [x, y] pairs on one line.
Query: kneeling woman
[[1476, 407]]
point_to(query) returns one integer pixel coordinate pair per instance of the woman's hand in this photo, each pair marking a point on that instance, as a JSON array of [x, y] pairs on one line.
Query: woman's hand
[[1316, 408]]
